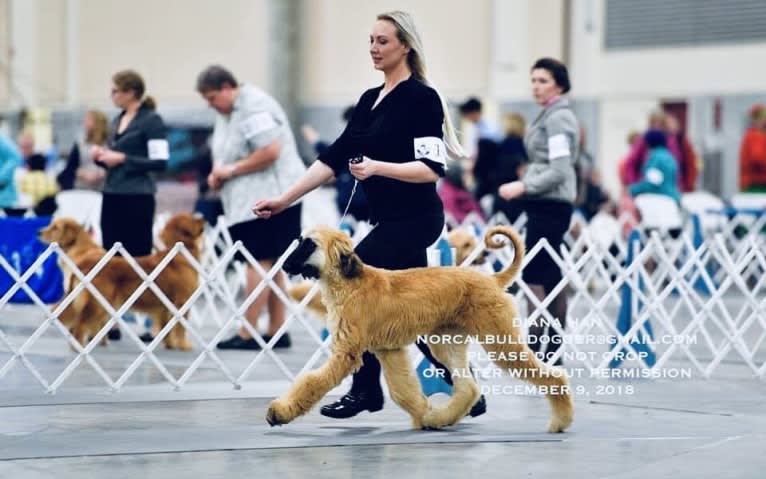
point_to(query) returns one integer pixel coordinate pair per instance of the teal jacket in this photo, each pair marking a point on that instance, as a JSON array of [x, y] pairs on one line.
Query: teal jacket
[[659, 175], [10, 159]]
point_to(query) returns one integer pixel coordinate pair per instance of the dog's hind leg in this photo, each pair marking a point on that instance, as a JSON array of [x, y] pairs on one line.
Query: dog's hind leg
[[403, 385], [176, 337], [465, 391], [519, 358], [310, 387]]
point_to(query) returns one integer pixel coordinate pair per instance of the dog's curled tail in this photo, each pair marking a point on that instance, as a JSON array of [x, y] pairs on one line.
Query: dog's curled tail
[[505, 277]]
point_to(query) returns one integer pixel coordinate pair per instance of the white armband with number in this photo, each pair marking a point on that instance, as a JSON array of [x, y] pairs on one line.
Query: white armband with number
[[558, 146], [430, 148], [158, 149], [654, 176]]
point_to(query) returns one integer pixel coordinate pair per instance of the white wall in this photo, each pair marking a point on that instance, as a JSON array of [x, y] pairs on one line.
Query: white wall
[[629, 83], [666, 72], [169, 42], [335, 46], [4, 51]]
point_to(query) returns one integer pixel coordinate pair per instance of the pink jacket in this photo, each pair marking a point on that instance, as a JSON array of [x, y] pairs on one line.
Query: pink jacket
[[458, 202]]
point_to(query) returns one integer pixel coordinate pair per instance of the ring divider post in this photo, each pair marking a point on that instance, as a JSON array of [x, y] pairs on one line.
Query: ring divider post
[[430, 383], [630, 306]]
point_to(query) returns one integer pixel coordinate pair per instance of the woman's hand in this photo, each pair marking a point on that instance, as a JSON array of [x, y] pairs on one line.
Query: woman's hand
[[90, 177], [511, 190], [108, 157], [364, 169], [270, 207], [95, 152], [213, 183]]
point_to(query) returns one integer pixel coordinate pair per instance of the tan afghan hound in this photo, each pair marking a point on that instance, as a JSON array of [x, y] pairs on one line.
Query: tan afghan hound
[[372, 309]]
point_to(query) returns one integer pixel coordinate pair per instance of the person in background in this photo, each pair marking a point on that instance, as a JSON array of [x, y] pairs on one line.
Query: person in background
[[137, 148], [26, 142], [660, 169], [254, 156], [591, 195], [509, 163], [471, 111], [40, 187], [458, 201], [81, 171], [548, 192], [688, 162], [632, 166], [752, 153], [10, 160]]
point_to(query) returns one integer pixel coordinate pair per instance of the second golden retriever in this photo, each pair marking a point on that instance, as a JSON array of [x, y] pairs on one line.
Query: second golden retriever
[[118, 280]]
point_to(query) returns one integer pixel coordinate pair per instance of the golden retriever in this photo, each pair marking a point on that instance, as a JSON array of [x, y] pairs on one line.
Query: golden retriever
[[74, 241], [372, 309], [464, 243], [118, 280]]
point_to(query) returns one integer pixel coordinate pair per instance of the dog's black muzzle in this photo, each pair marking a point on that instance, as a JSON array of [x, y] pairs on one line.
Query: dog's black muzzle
[[296, 262]]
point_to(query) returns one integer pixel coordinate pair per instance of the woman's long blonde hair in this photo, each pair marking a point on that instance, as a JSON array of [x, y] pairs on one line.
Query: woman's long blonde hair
[[408, 35]]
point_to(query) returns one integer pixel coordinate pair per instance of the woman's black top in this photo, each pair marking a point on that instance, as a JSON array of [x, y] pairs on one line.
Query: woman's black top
[[405, 126], [144, 143]]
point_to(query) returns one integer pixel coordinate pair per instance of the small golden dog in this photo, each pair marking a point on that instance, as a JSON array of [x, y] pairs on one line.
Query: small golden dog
[[74, 241], [464, 243], [372, 309], [118, 280]]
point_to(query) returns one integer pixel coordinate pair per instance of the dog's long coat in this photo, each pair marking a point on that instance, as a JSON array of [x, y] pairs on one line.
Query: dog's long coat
[[385, 311]]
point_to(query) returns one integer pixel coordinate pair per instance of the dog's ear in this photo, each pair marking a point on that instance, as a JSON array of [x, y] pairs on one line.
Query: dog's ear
[[350, 265]]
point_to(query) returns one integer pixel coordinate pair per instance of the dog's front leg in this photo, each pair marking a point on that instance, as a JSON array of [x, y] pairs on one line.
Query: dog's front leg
[[310, 387]]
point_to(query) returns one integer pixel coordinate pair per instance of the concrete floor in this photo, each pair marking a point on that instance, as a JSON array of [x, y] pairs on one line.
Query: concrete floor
[[692, 428], [661, 428]]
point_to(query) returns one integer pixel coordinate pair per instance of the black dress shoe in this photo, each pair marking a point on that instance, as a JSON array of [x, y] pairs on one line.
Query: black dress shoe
[[146, 337], [352, 404], [479, 407], [238, 342], [283, 341], [114, 334]]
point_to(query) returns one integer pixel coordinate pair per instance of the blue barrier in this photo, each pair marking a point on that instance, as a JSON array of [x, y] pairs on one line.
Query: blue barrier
[[429, 382], [20, 247], [625, 319], [697, 239]]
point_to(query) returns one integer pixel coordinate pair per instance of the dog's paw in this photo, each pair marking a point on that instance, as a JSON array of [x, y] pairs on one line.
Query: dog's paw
[[430, 428], [276, 415], [436, 419], [558, 424]]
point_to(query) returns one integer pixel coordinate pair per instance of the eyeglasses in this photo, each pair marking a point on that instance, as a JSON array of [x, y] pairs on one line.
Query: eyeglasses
[[115, 91]]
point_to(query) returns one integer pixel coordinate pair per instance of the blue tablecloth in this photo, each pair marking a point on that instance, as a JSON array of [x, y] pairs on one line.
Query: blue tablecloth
[[20, 247]]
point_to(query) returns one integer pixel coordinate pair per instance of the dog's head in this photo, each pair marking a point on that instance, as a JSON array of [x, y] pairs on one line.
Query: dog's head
[[464, 243], [63, 231], [184, 227], [324, 253]]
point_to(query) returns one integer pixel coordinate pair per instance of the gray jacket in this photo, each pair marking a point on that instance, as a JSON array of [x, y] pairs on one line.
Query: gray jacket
[[552, 143]]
